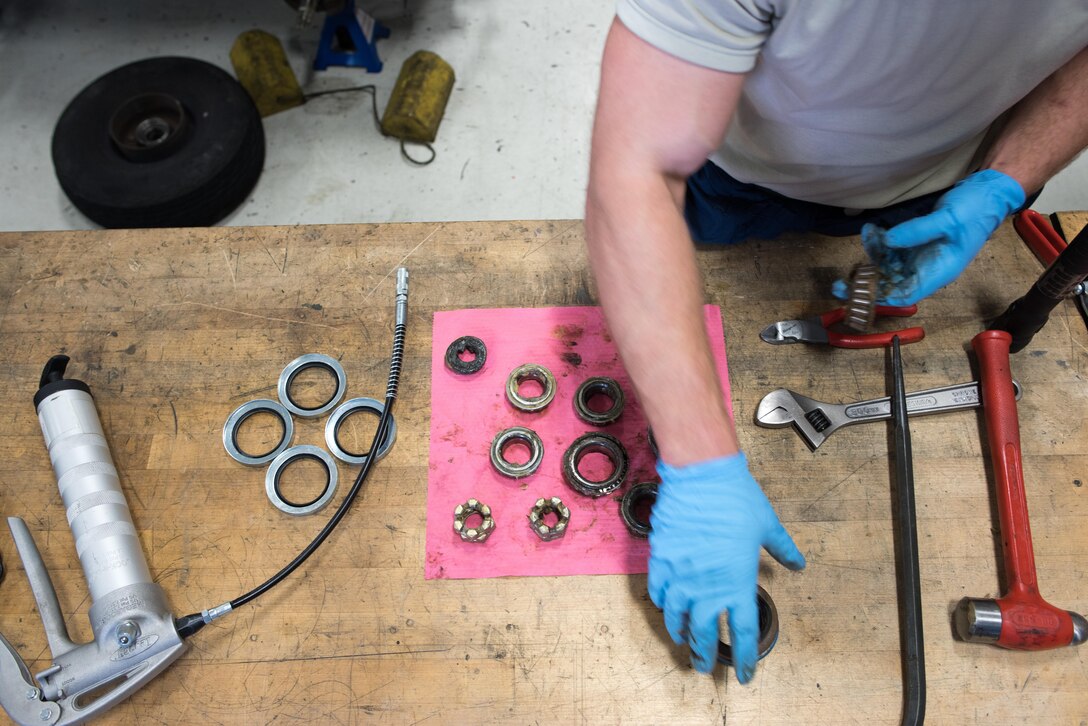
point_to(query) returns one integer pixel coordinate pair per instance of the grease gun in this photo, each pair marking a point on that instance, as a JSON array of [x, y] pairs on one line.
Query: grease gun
[[135, 633]]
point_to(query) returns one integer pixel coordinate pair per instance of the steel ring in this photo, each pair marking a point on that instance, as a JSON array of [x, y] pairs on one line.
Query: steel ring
[[768, 629], [332, 430], [243, 412], [595, 443], [275, 470], [646, 490], [602, 386], [530, 372], [503, 439], [469, 344], [305, 362]]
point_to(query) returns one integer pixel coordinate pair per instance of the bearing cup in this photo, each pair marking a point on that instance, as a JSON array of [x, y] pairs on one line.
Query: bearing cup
[[275, 470], [305, 362], [595, 443], [466, 344], [332, 430], [768, 629], [543, 507], [516, 434], [637, 494], [598, 386], [473, 534], [243, 412], [530, 372]]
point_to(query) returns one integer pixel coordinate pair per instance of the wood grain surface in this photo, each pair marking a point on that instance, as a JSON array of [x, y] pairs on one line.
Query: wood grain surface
[[172, 329]]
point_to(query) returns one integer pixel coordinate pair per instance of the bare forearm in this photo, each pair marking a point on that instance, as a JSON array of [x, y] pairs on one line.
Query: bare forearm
[[1047, 129], [652, 297]]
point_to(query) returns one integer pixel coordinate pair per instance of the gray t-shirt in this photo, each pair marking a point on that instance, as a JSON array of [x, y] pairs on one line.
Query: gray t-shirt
[[864, 103]]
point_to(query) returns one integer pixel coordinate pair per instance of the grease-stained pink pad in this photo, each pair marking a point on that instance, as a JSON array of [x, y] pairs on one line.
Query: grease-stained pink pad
[[468, 410]]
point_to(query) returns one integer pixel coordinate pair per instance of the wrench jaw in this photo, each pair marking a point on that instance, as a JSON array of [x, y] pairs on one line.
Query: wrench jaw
[[783, 407]]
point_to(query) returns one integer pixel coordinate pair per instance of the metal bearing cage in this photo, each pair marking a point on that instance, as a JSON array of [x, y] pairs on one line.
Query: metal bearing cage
[[595, 443], [275, 470], [239, 416], [473, 534], [305, 362], [470, 344], [530, 372], [508, 436], [636, 494], [861, 305], [332, 430], [540, 509], [768, 629], [598, 385]]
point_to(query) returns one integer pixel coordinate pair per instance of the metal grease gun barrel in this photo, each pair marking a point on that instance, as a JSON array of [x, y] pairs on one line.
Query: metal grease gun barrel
[[106, 541]]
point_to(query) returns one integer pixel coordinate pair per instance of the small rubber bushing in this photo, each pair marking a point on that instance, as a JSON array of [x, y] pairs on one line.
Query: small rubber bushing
[[466, 344]]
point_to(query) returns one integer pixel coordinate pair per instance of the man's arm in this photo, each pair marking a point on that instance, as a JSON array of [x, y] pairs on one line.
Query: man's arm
[[1047, 129], [658, 118]]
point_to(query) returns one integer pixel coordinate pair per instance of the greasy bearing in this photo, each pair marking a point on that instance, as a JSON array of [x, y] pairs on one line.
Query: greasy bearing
[[305, 362], [768, 629], [598, 386], [507, 437], [861, 304], [275, 471], [530, 372], [243, 412], [642, 492], [466, 344], [595, 443], [479, 533], [543, 507]]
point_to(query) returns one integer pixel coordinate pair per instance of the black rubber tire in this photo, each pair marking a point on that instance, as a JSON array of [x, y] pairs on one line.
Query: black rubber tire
[[208, 174]]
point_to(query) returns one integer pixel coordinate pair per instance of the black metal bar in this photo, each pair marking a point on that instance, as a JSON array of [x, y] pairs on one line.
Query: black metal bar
[[912, 643]]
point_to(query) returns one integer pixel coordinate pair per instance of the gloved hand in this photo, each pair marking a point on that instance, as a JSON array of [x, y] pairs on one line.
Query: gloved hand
[[922, 255], [709, 522]]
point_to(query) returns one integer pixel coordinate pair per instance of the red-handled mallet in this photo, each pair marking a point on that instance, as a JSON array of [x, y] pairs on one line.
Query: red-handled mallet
[[1021, 619]]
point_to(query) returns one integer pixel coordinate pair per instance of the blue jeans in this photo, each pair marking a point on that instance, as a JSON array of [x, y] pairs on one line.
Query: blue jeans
[[721, 210]]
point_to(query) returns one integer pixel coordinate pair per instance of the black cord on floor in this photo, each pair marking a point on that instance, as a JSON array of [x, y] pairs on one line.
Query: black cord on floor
[[373, 91]]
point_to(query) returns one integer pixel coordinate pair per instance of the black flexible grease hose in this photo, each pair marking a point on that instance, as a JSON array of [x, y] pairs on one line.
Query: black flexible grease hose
[[190, 624]]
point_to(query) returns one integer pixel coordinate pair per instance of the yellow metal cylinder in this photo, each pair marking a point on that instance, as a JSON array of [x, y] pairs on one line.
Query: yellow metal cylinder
[[419, 98]]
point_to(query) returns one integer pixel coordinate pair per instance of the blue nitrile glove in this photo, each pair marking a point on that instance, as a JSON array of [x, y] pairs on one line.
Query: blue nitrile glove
[[922, 255], [709, 522]]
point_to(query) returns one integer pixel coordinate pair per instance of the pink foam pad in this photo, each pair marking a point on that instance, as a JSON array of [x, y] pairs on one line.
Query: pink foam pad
[[467, 411]]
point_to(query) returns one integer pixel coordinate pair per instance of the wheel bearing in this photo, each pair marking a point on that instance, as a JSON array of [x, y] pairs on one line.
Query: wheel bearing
[[634, 496], [530, 372], [603, 386], [516, 434], [768, 629], [595, 443]]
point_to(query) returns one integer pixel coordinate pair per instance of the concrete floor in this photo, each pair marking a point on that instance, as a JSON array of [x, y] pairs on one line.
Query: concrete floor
[[513, 144]]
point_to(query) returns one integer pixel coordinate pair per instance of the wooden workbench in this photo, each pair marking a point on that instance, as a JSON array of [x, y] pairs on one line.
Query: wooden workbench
[[173, 329]]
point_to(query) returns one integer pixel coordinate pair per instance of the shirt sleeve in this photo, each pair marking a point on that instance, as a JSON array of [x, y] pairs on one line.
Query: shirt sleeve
[[725, 35]]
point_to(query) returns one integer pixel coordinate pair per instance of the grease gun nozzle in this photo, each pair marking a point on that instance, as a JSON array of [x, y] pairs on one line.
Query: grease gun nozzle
[[402, 295]]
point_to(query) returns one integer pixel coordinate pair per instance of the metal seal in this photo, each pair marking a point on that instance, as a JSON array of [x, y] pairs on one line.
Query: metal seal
[[635, 496], [543, 507], [516, 434], [595, 443], [238, 417], [305, 362], [332, 430], [530, 372], [768, 629], [598, 386], [275, 470], [466, 344], [479, 533]]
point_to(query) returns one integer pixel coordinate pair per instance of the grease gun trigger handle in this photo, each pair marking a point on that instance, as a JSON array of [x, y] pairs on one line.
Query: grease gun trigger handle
[[56, 633]]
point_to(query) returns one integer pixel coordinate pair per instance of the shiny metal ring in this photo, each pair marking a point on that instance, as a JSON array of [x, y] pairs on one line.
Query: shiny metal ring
[[275, 470], [768, 629], [243, 412], [641, 492], [595, 443], [530, 372], [332, 429], [305, 362], [516, 434], [598, 386]]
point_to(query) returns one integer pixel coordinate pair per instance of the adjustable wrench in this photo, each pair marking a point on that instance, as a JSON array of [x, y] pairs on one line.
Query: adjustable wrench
[[816, 420]]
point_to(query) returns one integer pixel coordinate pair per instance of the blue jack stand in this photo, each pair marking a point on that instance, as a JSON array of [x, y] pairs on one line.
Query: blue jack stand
[[348, 38]]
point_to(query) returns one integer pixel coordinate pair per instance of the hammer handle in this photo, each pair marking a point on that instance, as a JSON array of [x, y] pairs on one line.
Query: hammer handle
[[1003, 433]]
